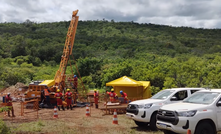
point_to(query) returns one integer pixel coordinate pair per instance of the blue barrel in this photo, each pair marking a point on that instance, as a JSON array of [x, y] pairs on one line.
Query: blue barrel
[[3, 99]]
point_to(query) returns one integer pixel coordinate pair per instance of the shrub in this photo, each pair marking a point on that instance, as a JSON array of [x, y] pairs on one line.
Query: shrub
[[3, 128]]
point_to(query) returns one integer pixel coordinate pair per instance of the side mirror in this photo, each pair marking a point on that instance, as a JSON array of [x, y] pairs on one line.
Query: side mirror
[[218, 104], [173, 98]]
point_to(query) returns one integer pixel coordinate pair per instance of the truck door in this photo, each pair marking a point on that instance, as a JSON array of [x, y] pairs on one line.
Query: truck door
[[179, 96]]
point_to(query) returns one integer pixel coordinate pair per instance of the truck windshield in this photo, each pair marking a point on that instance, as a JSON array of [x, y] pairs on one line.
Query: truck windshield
[[202, 98], [162, 94]]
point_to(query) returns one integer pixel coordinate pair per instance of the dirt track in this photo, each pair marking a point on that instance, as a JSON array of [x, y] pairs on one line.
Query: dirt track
[[71, 121]]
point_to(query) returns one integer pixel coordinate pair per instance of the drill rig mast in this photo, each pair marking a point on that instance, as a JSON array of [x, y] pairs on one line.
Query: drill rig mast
[[69, 43]]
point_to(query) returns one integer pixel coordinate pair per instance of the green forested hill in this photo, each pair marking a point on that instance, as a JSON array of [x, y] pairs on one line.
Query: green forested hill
[[165, 55]]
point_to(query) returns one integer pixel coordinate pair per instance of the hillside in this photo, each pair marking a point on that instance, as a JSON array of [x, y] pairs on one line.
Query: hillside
[[167, 56]]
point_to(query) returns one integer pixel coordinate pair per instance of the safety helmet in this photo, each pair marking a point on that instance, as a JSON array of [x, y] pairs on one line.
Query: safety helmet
[[95, 90], [68, 89], [75, 76], [121, 91], [58, 90], [112, 89]]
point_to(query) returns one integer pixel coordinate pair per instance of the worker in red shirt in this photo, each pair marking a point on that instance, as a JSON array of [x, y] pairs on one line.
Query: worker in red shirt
[[9, 105], [58, 97], [75, 82], [68, 96], [112, 95], [96, 98], [123, 94]]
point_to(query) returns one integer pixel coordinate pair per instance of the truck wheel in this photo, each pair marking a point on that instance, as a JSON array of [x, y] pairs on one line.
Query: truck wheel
[[153, 121], [141, 124], [204, 128], [168, 132]]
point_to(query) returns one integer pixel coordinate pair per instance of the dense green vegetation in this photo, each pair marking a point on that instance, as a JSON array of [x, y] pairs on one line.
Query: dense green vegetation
[[164, 55]]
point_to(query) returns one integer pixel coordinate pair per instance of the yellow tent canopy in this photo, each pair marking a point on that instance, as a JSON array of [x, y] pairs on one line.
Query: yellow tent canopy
[[134, 89], [124, 81]]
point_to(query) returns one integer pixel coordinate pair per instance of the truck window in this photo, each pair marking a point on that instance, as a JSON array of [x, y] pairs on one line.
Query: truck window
[[180, 95], [193, 91]]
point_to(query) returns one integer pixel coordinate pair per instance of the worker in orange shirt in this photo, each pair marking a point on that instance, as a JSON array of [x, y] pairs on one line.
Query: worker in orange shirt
[[112, 95], [68, 96], [123, 94], [9, 105], [96, 98], [47, 95], [58, 97]]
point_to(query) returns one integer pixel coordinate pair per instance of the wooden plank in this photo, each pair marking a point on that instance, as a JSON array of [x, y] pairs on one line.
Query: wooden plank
[[25, 102], [114, 107], [3, 104], [112, 104]]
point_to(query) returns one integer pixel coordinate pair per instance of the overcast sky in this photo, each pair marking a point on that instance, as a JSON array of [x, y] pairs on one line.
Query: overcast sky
[[191, 13]]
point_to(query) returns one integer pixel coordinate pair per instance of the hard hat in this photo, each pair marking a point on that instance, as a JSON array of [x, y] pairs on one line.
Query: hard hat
[[121, 91], [58, 90], [112, 89], [95, 90], [68, 89], [75, 76]]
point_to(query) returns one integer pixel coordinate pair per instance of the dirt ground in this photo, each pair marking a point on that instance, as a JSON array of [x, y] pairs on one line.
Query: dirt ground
[[68, 121], [71, 121]]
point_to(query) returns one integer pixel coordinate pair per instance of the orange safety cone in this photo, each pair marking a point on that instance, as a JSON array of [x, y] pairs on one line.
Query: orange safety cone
[[188, 131], [87, 111], [55, 112], [115, 121]]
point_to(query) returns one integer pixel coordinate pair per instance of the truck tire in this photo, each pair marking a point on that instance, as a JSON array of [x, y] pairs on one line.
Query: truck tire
[[168, 132], [204, 128], [141, 124], [153, 121]]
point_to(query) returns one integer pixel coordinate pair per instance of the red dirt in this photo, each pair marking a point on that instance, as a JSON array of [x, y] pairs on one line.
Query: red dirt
[[15, 91]]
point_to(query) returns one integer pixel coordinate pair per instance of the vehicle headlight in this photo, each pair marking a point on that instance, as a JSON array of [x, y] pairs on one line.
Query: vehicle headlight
[[145, 106], [187, 113], [140, 106]]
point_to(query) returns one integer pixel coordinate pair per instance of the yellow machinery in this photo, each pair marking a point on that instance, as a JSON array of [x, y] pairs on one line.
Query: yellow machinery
[[36, 87]]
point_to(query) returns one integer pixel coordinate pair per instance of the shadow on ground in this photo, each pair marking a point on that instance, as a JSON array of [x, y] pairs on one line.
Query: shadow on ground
[[146, 129]]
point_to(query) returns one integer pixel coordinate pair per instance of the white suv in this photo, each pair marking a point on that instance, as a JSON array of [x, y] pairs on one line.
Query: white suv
[[144, 112], [200, 113]]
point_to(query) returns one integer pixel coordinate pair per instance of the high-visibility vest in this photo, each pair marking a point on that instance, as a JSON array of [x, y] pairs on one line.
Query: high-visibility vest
[[96, 95], [9, 101], [58, 95], [46, 92], [69, 95]]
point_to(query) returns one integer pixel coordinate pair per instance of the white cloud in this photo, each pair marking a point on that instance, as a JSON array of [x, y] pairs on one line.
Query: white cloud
[[191, 13]]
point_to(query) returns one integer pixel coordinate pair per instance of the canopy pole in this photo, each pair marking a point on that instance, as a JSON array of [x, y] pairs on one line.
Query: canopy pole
[[142, 92], [137, 92], [106, 99]]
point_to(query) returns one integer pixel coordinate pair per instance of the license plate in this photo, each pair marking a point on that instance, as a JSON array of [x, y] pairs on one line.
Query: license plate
[[162, 125]]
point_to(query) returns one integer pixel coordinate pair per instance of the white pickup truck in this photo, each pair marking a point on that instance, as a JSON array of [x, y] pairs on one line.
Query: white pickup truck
[[144, 112], [200, 113]]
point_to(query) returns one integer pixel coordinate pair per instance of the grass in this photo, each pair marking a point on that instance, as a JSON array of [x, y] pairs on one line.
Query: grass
[[58, 127], [87, 125]]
